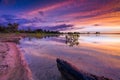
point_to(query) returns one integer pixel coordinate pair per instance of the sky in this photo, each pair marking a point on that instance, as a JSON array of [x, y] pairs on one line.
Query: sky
[[63, 15]]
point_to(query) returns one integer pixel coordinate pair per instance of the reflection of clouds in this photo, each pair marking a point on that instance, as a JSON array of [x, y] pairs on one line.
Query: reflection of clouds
[[36, 53], [104, 44], [101, 58], [101, 39]]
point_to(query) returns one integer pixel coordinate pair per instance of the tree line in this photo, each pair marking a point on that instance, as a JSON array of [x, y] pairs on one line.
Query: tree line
[[9, 28], [13, 27]]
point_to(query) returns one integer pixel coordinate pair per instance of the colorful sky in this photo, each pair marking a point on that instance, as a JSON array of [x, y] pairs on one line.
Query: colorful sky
[[63, 15]]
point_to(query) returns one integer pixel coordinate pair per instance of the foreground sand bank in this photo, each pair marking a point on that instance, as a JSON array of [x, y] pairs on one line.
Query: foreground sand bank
[[12, 63]]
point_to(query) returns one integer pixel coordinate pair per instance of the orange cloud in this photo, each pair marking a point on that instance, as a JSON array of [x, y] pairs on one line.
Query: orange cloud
[[106, 15], [110, 19]]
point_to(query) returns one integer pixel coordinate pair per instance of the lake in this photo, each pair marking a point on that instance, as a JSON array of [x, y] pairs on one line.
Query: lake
[[96, 54]]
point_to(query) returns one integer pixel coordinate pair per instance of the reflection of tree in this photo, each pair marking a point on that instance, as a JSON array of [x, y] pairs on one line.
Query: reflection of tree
[[40, 36], [72, 39]]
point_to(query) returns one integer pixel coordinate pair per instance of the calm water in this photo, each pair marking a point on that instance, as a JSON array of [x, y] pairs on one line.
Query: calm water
[[96, 54]]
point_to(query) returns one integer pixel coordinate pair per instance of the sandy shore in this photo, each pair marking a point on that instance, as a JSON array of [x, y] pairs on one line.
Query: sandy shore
[[12, 63]]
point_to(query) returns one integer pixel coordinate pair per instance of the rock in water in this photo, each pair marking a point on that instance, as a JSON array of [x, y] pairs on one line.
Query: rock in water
[[70, 72]]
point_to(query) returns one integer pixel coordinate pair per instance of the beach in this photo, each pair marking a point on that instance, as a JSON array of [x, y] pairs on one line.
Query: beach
[[12, 63]]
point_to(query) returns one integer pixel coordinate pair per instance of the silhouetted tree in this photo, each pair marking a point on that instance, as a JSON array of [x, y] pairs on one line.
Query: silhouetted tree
[[97, 33], [15, 27], [72, 39], [12, 27]]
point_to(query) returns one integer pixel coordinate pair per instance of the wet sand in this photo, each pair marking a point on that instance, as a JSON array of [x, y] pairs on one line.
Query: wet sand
[[12, 63]]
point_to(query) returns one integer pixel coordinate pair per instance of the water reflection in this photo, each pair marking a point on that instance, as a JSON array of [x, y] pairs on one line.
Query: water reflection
[[38, 36], [99, 55]]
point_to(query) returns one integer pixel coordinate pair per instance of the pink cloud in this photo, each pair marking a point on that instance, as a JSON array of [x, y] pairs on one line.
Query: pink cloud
[[51, 7]]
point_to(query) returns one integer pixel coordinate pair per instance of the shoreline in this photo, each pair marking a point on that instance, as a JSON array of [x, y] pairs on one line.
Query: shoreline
[[12, 63], [14, 66]]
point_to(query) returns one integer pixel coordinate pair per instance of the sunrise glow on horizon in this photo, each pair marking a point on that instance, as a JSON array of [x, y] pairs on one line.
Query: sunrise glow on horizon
[[63, 15]]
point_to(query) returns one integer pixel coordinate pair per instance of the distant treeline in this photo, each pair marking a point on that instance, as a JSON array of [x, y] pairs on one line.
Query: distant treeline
[[9, 28], [13, 28], [83, 33]]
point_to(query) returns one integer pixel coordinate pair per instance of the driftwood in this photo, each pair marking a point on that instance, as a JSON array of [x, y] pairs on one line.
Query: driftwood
[[70, 72]]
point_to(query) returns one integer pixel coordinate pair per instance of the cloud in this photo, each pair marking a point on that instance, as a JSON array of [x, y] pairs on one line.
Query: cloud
[[97, 25], [51, 7], [41, 13], [8, 18], [91, 9], [13, 18], [79, 13], [58, 27], [36, 19], [62, 21]]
